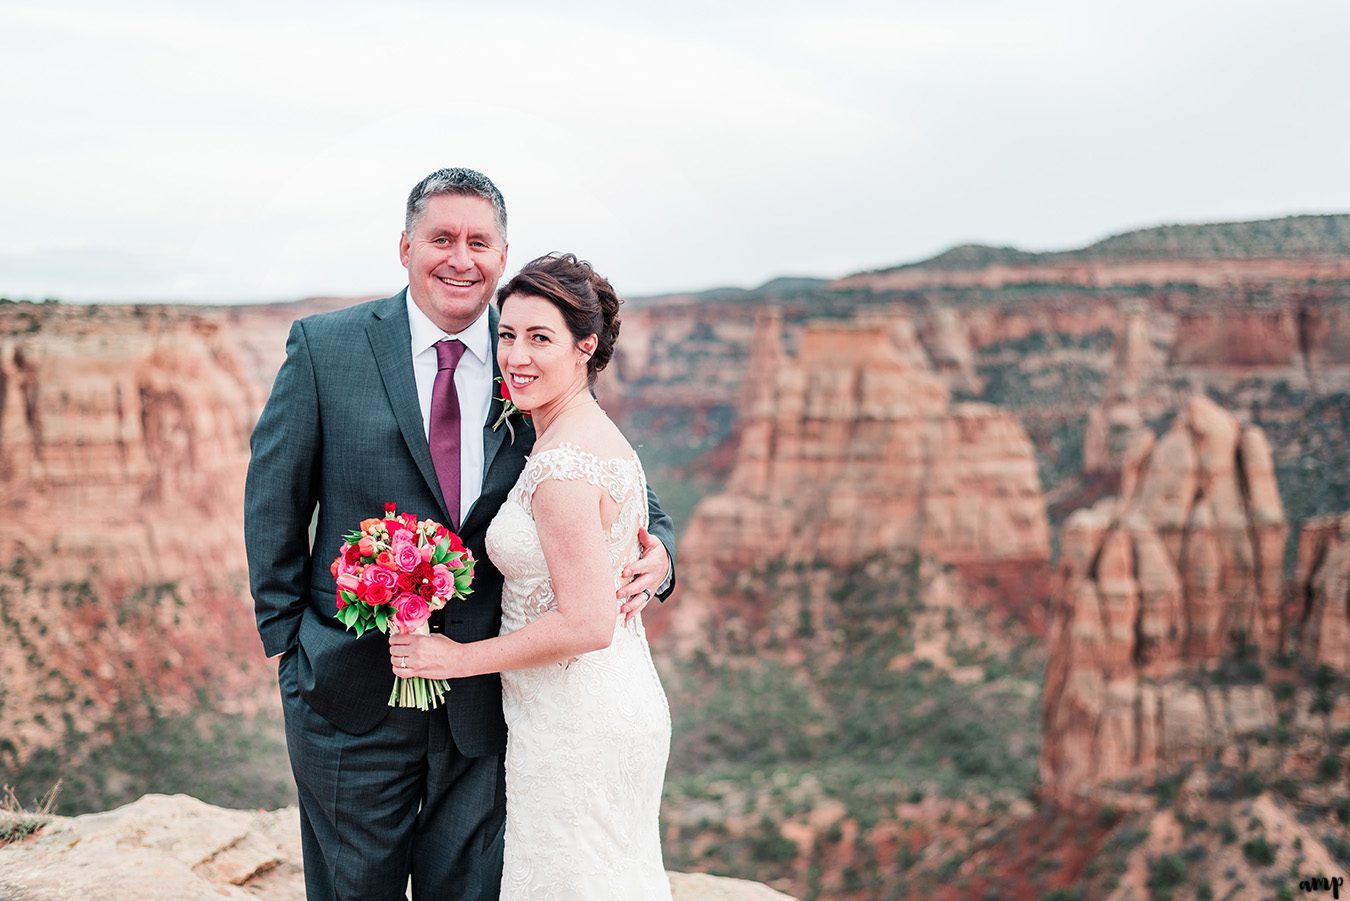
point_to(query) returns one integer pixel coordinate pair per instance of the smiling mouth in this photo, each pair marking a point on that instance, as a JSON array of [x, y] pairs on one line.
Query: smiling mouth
[[520, 381], [455, 283]]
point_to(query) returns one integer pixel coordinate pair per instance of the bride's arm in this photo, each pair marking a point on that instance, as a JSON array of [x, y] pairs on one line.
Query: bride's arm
[[567, 516]]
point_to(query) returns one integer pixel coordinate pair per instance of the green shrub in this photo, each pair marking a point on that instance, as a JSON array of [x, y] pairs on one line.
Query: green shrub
[[1258, 851], [1164, 874]]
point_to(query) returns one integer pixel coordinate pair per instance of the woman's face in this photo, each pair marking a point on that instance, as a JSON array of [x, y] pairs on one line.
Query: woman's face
[[539, 360]]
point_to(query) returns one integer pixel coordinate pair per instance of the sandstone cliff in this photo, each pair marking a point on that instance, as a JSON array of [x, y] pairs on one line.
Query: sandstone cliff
[[853, 448], [1321, 612], [123, 445], [1179, 573], [1116, 426]]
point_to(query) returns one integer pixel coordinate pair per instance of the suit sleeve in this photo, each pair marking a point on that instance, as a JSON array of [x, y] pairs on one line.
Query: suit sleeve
[[662, 528], [280, 495]]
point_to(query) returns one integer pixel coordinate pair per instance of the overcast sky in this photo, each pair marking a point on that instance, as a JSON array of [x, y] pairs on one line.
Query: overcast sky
[[263, 150]]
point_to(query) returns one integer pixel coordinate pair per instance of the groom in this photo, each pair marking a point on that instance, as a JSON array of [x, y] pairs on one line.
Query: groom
[[368, 409]]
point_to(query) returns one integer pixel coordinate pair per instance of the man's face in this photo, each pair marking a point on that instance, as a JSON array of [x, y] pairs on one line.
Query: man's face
[[454, 256]]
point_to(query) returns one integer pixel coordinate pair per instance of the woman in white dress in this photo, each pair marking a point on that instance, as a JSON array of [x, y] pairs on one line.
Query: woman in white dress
[[588, 729]]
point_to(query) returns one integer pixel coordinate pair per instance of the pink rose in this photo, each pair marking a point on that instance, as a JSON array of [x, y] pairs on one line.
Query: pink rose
[[442, 580], [413, 611], [379, 575], [367, 547], [379, 584], [407, 557], [348, 582], [426, 551]]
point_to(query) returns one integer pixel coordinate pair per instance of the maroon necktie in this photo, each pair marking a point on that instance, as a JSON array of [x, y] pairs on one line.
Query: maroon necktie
[[443, 433]]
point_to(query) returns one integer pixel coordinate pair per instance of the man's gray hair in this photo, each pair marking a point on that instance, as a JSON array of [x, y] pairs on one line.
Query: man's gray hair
[[462, 182]]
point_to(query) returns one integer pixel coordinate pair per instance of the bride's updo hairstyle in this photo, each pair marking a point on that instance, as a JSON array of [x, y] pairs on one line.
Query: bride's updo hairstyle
[[584, 297]]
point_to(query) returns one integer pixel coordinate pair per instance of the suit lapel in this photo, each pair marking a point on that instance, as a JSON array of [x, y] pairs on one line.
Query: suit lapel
[[392, 343]]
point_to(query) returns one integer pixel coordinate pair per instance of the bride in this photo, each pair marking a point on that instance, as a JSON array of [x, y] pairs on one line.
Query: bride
[[588, 726]]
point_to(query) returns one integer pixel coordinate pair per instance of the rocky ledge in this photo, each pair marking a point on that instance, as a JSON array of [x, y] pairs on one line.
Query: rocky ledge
[[177, 847]]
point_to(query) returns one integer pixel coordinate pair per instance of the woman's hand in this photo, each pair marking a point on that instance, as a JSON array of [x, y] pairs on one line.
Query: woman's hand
[[428, 656]]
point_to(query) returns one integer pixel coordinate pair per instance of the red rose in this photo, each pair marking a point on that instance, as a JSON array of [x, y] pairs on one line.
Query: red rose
[[506, 392], [390, 510]]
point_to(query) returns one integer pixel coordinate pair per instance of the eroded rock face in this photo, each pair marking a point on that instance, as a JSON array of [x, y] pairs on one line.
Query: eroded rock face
[[852, 448], [123, 446], [1180, 571], [1116, 426], [1321, 615], [176, 847]]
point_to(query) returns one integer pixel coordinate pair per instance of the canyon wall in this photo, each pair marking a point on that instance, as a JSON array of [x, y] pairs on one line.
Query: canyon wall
[[123, 446], [1180, 572], [1320, 616]]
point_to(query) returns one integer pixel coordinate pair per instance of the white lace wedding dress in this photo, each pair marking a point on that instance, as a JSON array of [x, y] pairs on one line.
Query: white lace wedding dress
[[587, 741]]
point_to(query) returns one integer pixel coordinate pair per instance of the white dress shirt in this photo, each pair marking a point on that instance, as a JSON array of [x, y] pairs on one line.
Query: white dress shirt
[[473, 386]]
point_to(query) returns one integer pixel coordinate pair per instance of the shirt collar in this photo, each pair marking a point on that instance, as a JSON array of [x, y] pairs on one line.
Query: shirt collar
[[425, 333]]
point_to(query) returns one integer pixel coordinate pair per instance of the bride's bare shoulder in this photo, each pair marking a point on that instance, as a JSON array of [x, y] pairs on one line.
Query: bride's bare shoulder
[[596, 435]]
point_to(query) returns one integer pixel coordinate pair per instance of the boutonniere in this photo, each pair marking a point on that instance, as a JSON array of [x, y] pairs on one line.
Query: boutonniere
[[509, 409]]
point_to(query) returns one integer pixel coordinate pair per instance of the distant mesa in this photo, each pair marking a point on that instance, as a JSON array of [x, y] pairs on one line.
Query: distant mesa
[[1289, 249]]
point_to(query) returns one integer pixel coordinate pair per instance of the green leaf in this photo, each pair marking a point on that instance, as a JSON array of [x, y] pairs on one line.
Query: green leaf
[[381, 617], [350, 597]]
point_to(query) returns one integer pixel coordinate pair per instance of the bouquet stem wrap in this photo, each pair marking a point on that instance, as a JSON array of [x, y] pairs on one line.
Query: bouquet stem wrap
[[415, 691]]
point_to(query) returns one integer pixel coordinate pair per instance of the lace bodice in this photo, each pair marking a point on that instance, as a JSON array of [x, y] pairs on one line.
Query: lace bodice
[[513, 541]]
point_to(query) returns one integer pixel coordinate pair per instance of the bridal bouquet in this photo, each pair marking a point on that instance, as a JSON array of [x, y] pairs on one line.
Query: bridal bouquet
[[392, 573]]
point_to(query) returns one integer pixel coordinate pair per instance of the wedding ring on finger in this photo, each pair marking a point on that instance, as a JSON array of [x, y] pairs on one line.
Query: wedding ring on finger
[[648, 593], [404, 664]]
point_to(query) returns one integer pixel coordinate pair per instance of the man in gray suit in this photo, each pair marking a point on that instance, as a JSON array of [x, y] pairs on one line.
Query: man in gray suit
[[361, 414]]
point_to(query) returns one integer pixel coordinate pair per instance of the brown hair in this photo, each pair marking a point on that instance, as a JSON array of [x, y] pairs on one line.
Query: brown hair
[[584, 297]]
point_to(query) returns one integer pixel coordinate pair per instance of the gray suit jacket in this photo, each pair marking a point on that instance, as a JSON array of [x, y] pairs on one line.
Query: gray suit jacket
[[342, 431]]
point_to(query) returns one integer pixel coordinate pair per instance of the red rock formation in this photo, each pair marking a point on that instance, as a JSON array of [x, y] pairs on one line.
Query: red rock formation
[[1241, 338], [1321, 617], [123, 446], [851, 449], [945, 336], [1181, 570], [1117, 425]]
